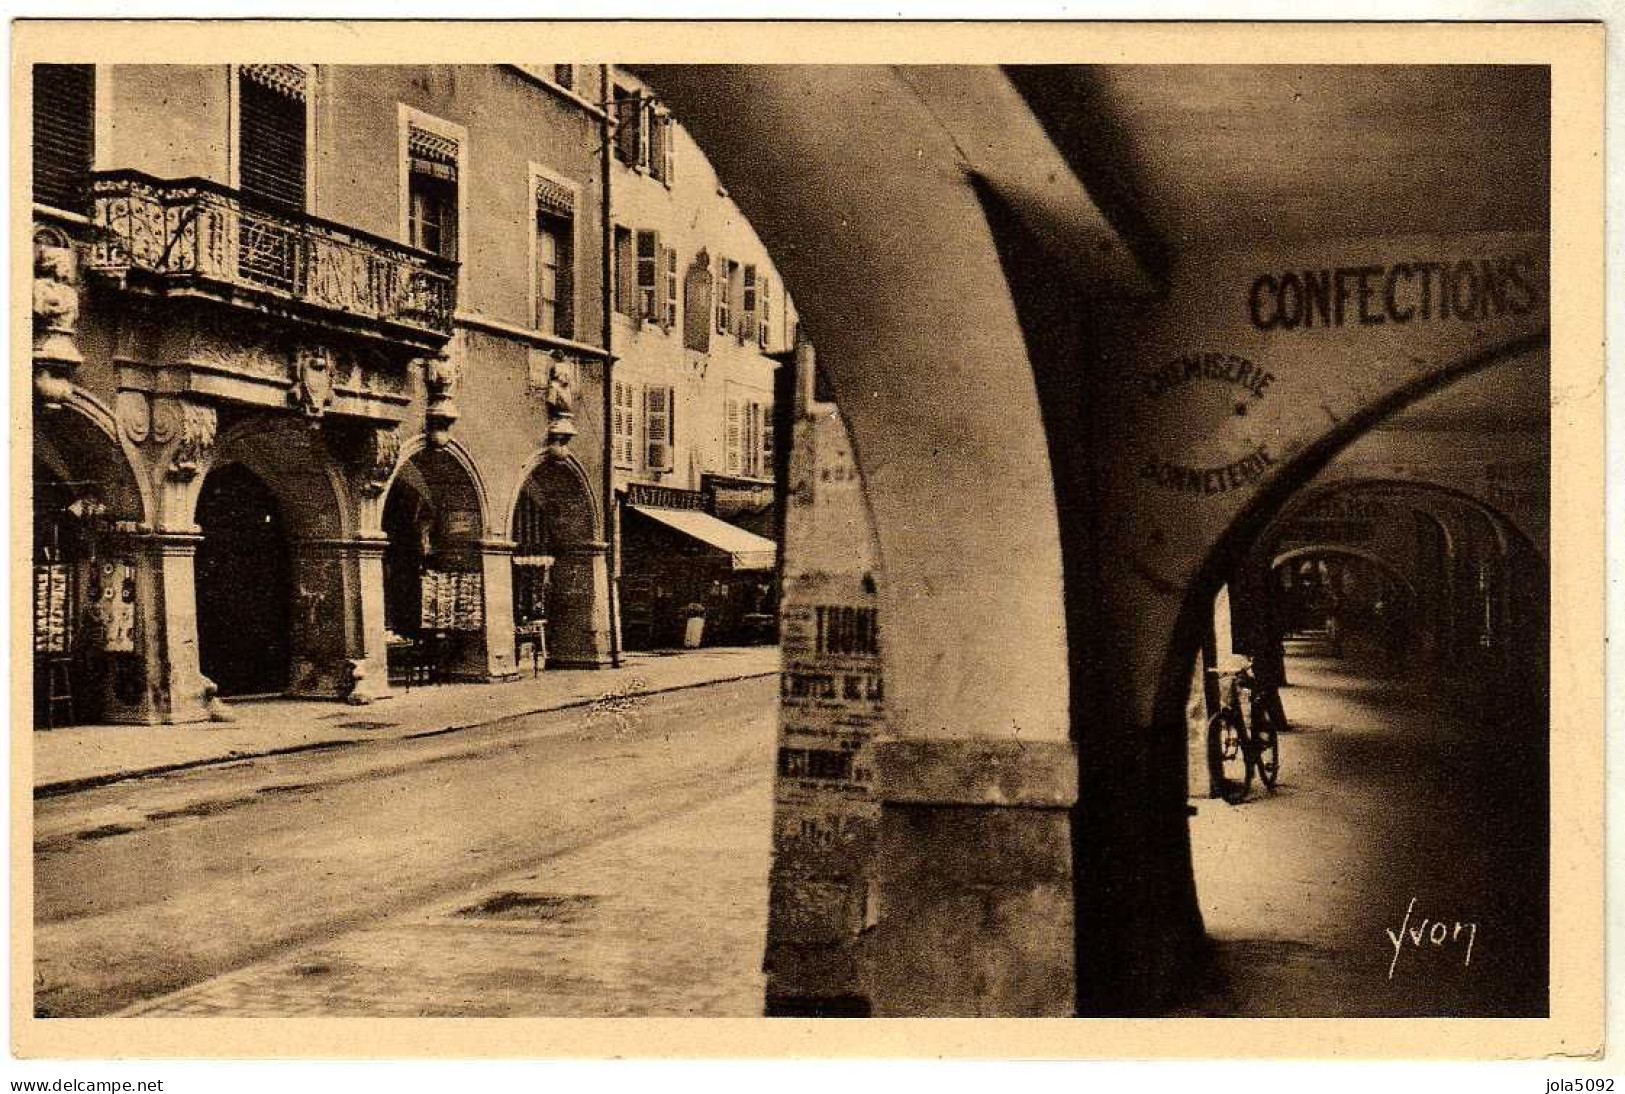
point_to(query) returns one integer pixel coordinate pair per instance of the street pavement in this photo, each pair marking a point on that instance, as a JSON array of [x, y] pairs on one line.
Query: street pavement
[[610, 858], [1391, 790]]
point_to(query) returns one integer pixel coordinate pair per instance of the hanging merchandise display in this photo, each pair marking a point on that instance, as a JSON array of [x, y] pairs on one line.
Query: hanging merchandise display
[[50, 608], [452, 601]]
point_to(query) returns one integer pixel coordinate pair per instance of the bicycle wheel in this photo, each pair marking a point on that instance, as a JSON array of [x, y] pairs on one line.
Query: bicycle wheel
[[1229, 755], [1265, 741]]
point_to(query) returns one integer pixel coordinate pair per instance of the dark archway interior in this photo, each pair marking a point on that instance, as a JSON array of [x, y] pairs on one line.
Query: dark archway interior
[[243, 592], [1416, 773], [553, 517]]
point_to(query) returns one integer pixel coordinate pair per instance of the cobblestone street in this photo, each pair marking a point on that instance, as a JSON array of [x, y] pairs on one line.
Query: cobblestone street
[[604, 860], [664, 921]]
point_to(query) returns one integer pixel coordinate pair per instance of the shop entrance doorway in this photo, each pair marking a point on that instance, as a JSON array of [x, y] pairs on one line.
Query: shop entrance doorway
[[557, 564], [242, 584]]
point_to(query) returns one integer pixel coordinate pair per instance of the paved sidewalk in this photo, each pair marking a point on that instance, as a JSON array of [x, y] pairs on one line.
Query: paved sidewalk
[[83, 756]]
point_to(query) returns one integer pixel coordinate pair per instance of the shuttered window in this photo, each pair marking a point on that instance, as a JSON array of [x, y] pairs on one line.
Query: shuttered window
[[659, 427], [64, 134], [671, 287], [727, 274], [733, 437], [749, 294], [629, 127], [625, 271], [271, 133], [565, 76], [623, 427], [763, 338], [648, 276]]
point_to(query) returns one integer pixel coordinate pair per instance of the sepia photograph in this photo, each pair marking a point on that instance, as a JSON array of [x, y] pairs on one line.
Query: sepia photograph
[[956, 531]]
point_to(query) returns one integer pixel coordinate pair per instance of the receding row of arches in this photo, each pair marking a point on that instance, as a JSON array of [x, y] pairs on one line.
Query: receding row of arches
[[300, 571]]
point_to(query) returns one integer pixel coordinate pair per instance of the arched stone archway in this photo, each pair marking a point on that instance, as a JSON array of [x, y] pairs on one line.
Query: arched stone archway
[[436, 584], [316, 515], [1143, 494], [96, 612], [560, 564]]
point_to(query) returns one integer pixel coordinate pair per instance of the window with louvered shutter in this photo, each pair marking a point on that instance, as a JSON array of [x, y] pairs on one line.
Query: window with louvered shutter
[[656, 158], [733, 436], [624, 426], [658, 427], [724, 304], [671, 287], [767, 439], [763, 336], [648, 276], [668, 168], [64, 134], [625, 271], [628, 123], [432, 191], [749, 294], [271, 134]]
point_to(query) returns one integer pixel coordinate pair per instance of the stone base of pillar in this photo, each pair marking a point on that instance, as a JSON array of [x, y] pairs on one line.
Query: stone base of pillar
[[974, 880]]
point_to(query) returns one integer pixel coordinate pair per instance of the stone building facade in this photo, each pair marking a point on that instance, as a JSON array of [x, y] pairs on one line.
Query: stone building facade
[[318, 374], [700, 322]]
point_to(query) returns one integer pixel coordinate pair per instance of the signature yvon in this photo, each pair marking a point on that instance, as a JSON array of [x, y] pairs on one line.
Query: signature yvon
[[1437, 933]]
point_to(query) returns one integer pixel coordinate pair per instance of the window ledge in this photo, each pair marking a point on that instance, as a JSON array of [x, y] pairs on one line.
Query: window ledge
[[562, 92], [526, 334], [51, 212]]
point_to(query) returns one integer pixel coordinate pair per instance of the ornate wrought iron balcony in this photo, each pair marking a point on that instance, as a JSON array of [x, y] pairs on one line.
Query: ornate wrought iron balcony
[[195, 234]]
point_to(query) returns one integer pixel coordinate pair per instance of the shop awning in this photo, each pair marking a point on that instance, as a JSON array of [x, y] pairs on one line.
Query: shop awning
[[747, 550]]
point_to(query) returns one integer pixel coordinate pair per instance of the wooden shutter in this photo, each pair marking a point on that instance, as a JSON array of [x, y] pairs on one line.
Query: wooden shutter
[[732, 438], [657, 427], [697, 305], [625, 272], [655, 125], [621, 428], [271, 138], [670, 309], [767, 439], [669, 144], [763, 337], [626, 126], [749, 294], [724, 303], [648, 273], [64, 134]]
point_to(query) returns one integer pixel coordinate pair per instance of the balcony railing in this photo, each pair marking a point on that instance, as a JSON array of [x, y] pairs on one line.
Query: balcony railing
[[191, 231]]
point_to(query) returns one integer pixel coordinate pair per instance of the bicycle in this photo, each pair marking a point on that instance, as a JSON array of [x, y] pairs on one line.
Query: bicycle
[[1235, 749]]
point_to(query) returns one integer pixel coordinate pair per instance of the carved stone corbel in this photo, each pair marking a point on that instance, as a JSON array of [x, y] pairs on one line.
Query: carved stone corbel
[[380, 450], [56, 315], [192, 426], [561, 424], [441, 373]]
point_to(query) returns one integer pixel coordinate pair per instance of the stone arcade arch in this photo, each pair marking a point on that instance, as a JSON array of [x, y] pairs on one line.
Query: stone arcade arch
[[1043, 587], [313, 505], [435, 522], [560, 571], [91, 514]]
